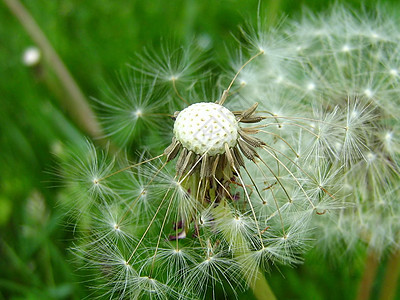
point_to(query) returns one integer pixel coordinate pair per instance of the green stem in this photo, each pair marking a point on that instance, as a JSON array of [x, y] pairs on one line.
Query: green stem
[[391, 280], [261, 288], [258, 283], [368, 279]]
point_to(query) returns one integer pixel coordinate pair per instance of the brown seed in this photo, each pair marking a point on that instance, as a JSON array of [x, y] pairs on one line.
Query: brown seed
[[253, 141], [203, 168], [238, 157], [252, 119], [229, 155], [249, 112], [181, 159], [185, 164], [247, 150]]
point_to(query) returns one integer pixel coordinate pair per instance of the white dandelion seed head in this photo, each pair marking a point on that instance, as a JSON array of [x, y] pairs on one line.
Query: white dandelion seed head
[[205, 128]]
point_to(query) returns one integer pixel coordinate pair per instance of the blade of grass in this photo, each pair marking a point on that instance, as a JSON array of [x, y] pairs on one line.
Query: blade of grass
[[369, 275], [77, 104], [391, 280]]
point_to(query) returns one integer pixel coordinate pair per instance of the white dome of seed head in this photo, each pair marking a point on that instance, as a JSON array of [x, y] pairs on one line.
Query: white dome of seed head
[[206, 127]]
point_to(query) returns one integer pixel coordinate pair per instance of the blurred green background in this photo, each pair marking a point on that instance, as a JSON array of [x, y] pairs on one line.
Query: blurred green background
[[96, 39]]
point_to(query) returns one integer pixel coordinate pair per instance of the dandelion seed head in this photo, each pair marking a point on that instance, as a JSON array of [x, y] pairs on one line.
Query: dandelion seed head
[[206, 128]]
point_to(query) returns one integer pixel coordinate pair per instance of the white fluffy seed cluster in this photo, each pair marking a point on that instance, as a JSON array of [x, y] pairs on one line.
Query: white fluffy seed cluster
[[206, 127]]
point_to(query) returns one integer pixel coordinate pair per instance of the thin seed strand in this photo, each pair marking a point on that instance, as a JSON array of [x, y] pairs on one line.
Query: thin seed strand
[[129, 167], [225, 93], [161, 230], [177, 93], [141, 194], [291, 174], [150, 224]]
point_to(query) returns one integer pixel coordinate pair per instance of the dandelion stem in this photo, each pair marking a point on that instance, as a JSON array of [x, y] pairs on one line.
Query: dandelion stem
[[261, 288], [256, 280], [389, 285], [368, 278]]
